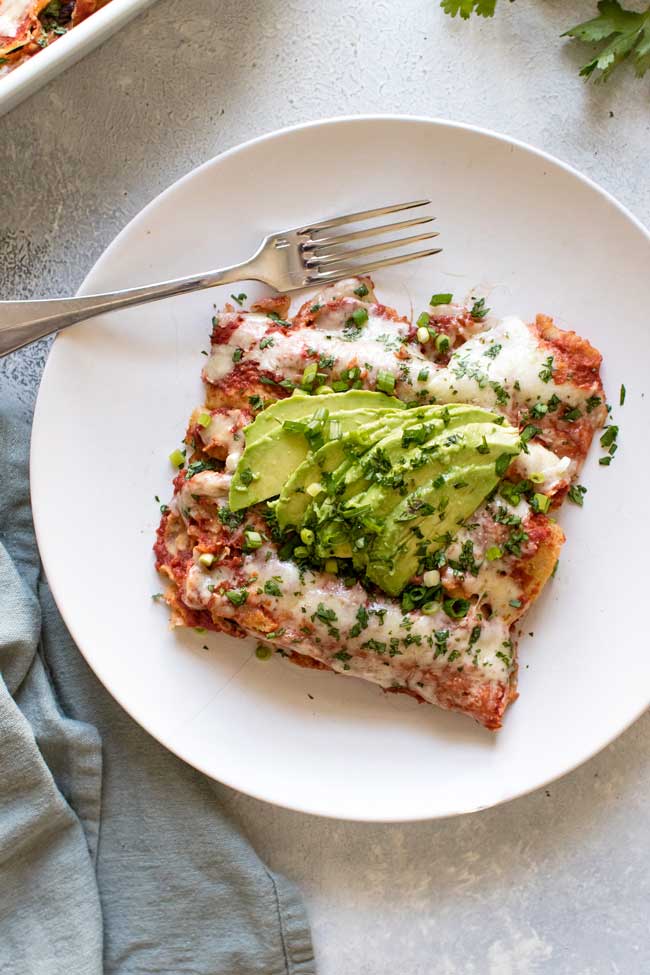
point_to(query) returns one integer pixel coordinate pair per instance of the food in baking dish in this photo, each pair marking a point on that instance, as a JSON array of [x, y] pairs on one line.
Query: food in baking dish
[[376, 496], [27, 26]]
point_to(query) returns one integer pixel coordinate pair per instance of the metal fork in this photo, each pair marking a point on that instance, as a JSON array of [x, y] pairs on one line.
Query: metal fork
[[287, 261]]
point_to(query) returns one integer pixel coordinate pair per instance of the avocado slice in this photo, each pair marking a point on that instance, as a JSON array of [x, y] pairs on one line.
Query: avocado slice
[[335, 456], [301, 405], [393, 455], [268, 461], [365, 518], [433, 509]]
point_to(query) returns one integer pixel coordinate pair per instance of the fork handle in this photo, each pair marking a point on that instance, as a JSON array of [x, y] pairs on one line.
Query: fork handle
[[22, 322]]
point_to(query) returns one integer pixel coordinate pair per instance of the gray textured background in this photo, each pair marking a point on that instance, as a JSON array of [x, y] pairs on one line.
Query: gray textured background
[[556, 883]]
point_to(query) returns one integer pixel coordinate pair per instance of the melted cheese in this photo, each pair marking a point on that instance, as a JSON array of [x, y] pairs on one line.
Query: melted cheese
[[471, 373], [371, 347], [392, 649], [212, 485], [16, 20], [541, 462]]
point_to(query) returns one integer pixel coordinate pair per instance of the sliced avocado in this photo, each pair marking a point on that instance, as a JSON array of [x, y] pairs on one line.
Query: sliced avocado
[[300, 405], [267, 463], [396, 455], [434, 509], [334, 456]]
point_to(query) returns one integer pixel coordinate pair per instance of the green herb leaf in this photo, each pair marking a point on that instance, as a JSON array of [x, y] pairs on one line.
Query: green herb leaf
[[576, 494], [484, 8], [479, 311], [625, 33]]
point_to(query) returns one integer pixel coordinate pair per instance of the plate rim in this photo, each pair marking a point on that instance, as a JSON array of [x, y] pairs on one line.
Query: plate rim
[[41, 532]]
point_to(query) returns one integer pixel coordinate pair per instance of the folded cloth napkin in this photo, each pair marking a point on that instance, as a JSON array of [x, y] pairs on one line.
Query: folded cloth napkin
[[115, 856]]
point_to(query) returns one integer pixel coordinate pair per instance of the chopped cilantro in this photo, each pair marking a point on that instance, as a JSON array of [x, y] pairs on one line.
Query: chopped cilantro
[[576, 494], [479, 311], [546, 372], [592, 402]]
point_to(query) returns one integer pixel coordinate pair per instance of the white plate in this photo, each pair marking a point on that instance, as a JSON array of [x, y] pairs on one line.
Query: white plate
[[116, 395], [29, 76]]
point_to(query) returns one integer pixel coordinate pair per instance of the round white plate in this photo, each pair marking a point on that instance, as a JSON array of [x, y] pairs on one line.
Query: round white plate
[[116, 396]]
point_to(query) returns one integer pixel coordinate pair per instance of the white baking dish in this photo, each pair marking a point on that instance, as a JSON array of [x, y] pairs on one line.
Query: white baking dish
[[29, 76]]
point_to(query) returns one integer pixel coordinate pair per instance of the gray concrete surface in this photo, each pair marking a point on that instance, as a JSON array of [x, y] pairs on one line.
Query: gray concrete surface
[[556, 883]]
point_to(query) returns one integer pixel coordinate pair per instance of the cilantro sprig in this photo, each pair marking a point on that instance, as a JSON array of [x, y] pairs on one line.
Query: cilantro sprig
[[621, 33], [625, 33]]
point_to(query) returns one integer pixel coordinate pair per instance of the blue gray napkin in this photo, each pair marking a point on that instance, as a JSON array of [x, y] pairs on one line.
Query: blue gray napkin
[[115, 856]]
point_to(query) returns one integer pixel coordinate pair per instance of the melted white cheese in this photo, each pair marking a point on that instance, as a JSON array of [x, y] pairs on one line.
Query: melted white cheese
[[520, 359], [12, 15], [207, 484], [555, 471], [371, 347], [306, 602]]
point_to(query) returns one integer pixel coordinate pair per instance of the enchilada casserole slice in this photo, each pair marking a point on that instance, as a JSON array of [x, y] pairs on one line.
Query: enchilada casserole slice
[[376, 496]]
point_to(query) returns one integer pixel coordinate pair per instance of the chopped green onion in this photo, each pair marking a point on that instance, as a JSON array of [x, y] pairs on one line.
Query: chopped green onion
[[294, 426], [431, 578], [493, 552], [605, 461], [431, 608], [177, 458], [541, 503], [423, 320], [361, 291], [322, 390], [204, 420], [445, 299], [237, 355], [309, 375], [423, 335], [360, 316], [536, 478], [331, 566], [240, 298], [206, 559], [307, 536], [237, 596], [313, 490], [335, 430], [423, 375], [263, 651], [515, 603], [339, 386], [301, 552], [502, 464], [442, 344], [252, 539], [622, 395], [456, 608], [385, 381], [315, 308]]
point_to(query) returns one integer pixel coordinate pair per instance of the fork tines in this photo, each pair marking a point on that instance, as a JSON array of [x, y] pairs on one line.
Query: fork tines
[[324, 254]]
